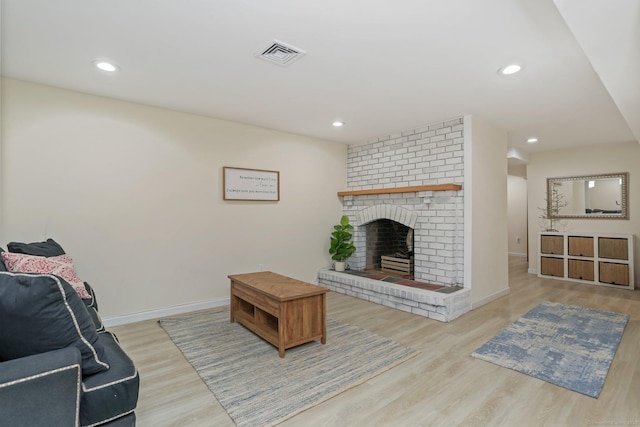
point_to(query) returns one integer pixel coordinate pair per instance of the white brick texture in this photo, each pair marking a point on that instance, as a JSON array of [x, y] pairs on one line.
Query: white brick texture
[[429, 155], [422, 156]]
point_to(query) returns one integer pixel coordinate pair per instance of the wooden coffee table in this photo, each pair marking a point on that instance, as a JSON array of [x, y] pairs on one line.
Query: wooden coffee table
[[285, 312]]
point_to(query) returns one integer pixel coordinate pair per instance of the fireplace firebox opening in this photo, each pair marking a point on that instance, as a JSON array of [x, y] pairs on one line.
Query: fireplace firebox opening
[[389, 248]]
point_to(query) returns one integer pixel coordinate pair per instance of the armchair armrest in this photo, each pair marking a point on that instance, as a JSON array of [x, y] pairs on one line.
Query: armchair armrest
[[43, 389]]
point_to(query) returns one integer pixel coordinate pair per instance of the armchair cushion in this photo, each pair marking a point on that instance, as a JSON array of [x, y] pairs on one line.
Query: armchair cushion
[[92, 307], [43, 389], [95, 317], [47, 248], [110, 394], [42, 312]]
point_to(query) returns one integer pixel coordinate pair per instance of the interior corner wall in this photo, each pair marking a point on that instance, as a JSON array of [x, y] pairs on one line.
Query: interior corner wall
[[134, 194], [593, 160], [517, 214], [485, 187]]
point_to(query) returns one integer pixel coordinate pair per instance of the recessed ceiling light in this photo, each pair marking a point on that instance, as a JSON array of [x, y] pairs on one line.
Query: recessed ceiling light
[[509, 69], [105, 66], [532, 140], [337, 123]]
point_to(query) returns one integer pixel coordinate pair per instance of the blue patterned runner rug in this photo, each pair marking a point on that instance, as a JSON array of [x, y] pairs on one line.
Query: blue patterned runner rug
[[565, 345], [258, 388]]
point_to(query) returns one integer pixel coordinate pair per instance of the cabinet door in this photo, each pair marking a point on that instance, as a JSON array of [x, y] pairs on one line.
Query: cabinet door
[[580, 269], [580, 246], [552, 266], [613, 248], [552, 244], [614, 274]]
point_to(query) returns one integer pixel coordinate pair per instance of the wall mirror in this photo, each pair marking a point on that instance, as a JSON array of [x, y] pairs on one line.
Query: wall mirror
[[588, 196]]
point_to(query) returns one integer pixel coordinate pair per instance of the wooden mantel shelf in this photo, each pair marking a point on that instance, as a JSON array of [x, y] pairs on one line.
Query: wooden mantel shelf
[[438, 187]]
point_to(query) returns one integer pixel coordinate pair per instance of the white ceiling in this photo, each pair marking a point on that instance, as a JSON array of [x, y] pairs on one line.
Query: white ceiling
[[381, 66]]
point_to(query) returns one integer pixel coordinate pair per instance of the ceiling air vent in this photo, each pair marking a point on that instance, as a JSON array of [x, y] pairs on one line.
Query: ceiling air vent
[[281, 53]]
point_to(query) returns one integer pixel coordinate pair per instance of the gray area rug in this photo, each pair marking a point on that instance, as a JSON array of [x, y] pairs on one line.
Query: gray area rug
[[565, 345], [258, 388]]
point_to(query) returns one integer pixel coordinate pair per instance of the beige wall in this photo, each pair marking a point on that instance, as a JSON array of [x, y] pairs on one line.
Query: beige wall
[[485, 193], [517, 214], [600, 159], [134, 194]]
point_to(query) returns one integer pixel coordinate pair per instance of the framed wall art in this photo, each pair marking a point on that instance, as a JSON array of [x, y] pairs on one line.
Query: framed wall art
[[250, 184]]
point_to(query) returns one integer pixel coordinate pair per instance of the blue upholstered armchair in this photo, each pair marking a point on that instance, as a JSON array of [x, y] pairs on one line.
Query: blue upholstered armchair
[[58, 365]]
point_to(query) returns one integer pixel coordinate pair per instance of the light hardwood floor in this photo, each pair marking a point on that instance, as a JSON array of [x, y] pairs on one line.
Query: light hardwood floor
[[443, 386]]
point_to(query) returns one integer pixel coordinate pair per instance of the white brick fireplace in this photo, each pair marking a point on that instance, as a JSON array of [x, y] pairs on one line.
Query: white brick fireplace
[[429, 156]]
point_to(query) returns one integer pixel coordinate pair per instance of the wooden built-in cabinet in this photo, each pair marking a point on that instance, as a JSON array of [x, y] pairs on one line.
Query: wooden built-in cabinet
[[596, 258]]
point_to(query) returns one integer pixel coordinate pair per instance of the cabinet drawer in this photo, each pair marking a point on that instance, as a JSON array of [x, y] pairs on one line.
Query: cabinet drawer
[[613, 248], [552, 266], [580, 246], [614, 274], [552, 245], [580, 269]]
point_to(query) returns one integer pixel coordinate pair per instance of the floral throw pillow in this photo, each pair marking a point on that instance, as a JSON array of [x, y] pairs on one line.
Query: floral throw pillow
[[61, 265]]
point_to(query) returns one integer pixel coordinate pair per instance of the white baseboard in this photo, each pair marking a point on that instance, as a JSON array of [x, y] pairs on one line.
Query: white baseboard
[[533, 271], [163, 312], [490, 298], [517, 254]]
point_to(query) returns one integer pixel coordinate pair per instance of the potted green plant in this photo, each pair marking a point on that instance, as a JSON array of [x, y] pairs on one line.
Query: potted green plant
[[341, 245]]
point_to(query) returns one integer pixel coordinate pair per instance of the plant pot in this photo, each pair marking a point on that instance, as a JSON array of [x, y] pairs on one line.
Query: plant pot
[[339, 265]]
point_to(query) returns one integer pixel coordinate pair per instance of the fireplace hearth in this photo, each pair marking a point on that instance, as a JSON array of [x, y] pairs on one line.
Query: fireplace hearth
[[438, 302]]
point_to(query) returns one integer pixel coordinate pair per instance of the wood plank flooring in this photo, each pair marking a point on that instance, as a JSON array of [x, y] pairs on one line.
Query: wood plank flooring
[[443, 386]]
